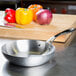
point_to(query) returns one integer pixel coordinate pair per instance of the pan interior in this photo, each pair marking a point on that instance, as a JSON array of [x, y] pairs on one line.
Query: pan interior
[[23, 48]]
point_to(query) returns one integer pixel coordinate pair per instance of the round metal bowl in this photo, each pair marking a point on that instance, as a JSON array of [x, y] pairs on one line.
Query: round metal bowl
[[18, 57]]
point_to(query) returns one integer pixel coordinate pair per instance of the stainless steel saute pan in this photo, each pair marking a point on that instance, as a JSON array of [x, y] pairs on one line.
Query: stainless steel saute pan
[[31, 52]]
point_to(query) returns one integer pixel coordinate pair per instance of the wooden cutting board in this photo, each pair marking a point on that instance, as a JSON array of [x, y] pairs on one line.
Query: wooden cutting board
[[41, 32]]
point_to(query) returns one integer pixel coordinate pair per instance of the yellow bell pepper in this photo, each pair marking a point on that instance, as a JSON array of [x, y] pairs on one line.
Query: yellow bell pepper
[[24, 16]]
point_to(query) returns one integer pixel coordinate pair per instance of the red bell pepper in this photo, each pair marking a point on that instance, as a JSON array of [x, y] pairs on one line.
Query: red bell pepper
[[10, 15]]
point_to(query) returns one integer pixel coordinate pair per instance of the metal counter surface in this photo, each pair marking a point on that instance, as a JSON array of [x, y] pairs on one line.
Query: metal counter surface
[[65, 58]]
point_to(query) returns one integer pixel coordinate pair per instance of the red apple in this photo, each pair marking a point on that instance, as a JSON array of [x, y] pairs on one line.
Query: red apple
[[53, 10], [64, 11]]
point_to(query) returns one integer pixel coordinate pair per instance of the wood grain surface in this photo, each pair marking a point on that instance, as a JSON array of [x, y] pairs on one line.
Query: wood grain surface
[[35, 31]]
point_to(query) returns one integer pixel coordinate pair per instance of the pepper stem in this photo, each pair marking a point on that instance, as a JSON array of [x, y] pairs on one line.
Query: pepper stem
[[25, 9], [5, 14], [35, 7]]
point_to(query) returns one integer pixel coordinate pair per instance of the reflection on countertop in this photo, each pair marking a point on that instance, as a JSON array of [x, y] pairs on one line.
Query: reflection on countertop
[[14, 70]]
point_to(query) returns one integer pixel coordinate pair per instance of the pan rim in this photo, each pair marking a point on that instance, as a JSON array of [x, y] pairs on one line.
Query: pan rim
[[48, 53]]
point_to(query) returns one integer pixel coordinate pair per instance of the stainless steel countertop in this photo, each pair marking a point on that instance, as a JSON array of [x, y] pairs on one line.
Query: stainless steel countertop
[[65, 58]]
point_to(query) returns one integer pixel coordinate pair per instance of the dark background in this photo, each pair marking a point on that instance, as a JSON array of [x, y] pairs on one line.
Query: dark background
[[56, 5]]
